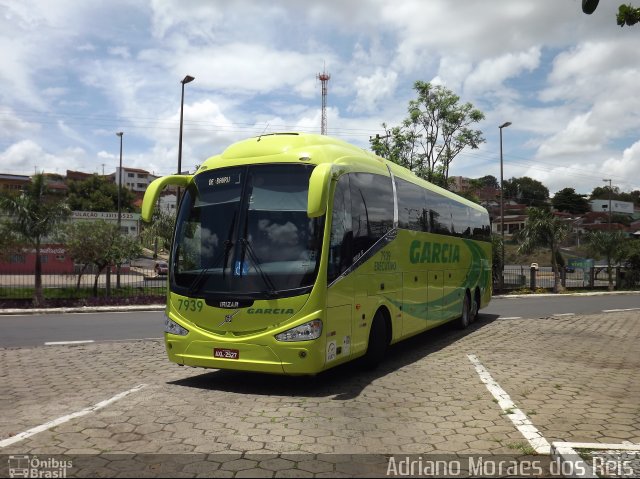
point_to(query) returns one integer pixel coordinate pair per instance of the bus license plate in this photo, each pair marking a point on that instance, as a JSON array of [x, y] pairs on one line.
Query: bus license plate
[[226, 353]]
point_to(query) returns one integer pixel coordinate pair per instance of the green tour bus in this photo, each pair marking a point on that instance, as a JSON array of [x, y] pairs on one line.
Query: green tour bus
[[294, 253]]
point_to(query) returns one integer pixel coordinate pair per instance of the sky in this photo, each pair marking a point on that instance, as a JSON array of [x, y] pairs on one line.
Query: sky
[[73, 73]]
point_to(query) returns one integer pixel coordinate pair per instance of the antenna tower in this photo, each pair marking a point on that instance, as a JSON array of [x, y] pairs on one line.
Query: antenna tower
[[324, 79]]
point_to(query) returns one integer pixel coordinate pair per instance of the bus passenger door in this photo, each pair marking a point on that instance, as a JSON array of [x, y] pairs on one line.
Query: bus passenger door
[[338, 327], [435, 293]]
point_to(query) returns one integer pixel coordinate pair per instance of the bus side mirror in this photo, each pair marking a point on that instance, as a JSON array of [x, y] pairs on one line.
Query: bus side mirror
[[318, 190], [154, 189]]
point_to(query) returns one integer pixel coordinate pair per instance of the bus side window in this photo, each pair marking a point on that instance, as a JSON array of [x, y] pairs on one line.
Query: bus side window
[[371, 209], [341, 244]]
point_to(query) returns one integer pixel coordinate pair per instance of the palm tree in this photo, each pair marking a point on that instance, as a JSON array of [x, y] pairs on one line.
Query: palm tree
[[543, 229], [33, 216], [610, 244]]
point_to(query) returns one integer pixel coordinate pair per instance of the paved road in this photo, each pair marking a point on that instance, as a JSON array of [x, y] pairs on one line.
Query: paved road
[[119, 409], [36, 330]]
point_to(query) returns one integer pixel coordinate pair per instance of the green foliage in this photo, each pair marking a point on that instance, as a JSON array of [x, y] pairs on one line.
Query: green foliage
[[526, 191], [489, 181], [627, 15], [611, 245], [160, 228], [632, 263], [99, 194], [98, 243], [496, 251], [569, 201], [602, 193], [436, 130], [543, 229], [33, 215]]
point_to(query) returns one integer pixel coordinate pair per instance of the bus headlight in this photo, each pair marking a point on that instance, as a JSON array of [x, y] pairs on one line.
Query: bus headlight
[[304, 332], [172, 327]]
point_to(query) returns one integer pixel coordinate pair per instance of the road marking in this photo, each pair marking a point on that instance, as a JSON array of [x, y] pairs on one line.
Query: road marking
[[511, 317], [619, 310], [89, 341], [565, 452], [518, 418], [56, 422]]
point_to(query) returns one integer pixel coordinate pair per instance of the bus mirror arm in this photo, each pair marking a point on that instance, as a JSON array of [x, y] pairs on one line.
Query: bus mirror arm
[[318, 190], [154, 189]]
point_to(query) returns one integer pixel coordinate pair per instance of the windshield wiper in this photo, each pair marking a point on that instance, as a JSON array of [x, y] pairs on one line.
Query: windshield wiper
[[194, 287], [256, 262]]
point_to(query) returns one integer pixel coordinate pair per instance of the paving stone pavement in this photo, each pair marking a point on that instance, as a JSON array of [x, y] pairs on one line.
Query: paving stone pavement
[[577, 378]]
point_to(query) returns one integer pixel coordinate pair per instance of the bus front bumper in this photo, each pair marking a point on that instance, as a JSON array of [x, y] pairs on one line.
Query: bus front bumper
[[294, 359]]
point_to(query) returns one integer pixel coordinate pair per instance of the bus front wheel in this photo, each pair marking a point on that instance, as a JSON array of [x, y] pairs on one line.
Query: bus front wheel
[[378, 342]]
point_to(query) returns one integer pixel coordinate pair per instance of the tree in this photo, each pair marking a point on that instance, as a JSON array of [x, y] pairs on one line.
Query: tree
[[489, 181], [101, 244], [543, 229], [627, 15], [160, 228], [568, 200], [526, 191], [34, 215], [98, 194], [632, 263], [610, 244], [437, 129], [496, 251]]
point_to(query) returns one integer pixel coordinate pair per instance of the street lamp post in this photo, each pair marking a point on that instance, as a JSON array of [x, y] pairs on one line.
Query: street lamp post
[[184, 81], [610, 191], [120, 134], [504, 125]]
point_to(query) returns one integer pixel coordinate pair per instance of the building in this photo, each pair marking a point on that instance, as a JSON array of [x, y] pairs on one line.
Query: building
[[14, 182], [624, 207], [133, 178], [129, 222]]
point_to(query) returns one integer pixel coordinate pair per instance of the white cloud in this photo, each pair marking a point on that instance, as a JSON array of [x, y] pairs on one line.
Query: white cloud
[[490, 73], [373, 89], [28, 156], [625, 168]]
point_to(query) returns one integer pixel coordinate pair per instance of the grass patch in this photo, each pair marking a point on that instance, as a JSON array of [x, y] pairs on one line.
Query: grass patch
[[524, 447]]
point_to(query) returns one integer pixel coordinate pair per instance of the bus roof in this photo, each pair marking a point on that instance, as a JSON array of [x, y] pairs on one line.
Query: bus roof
[[315, 149]]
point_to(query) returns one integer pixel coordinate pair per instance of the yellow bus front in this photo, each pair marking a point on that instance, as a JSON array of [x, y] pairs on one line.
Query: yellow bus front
[[244, 263]]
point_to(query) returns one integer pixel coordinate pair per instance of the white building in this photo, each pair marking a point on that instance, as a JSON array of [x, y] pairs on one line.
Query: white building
[[133, 178], [167, 203], [129, 222], [600, 206]]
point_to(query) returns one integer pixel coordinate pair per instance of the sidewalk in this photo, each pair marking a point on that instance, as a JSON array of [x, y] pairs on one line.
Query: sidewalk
[[161, 306]]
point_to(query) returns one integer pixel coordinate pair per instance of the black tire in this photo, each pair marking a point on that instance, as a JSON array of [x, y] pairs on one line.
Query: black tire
[[475, 308], [378, 343], [465, 317]]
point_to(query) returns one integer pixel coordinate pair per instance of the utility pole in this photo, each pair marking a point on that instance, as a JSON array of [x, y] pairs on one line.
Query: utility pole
[[504, 125], [610, 192]]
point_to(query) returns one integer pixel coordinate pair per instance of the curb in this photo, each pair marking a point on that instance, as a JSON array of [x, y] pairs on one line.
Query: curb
[[84, 309], [560, 295]]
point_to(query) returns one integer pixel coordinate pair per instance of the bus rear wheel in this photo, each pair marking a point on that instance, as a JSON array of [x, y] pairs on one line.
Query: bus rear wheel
[[465, 318], [378, 342]]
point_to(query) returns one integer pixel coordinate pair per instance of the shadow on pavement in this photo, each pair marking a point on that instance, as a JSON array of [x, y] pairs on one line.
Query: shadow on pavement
[[344, 382]]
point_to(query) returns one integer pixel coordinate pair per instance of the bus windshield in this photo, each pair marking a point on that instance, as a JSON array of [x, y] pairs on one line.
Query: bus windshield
[[244, 232]]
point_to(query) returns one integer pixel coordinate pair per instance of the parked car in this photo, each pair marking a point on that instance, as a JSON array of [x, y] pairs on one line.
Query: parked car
[[161, 268], [569, 269]]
